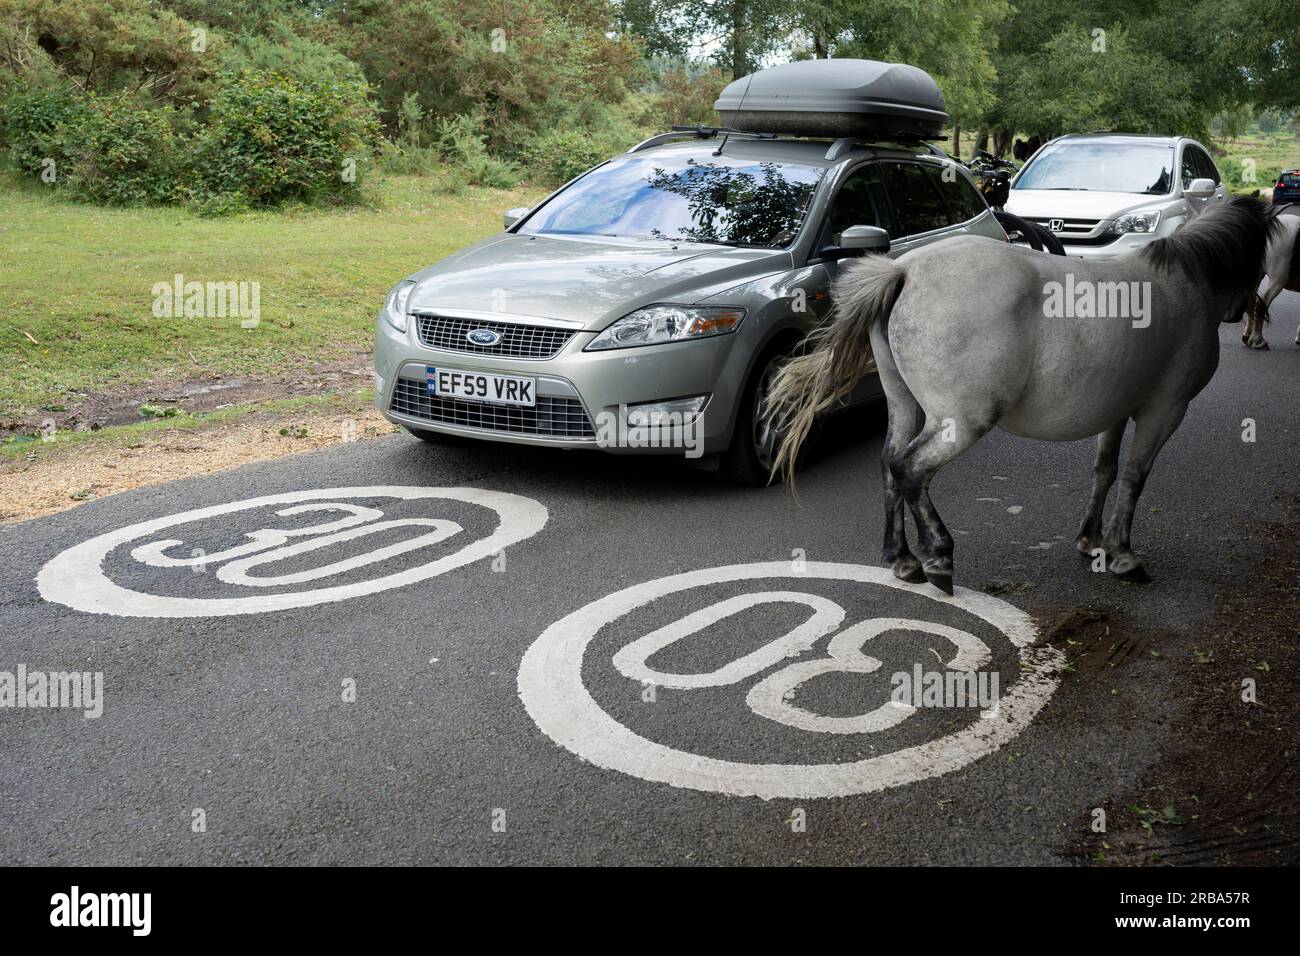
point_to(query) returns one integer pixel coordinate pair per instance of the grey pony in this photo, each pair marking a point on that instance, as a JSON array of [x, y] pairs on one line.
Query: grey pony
[[964, 340]]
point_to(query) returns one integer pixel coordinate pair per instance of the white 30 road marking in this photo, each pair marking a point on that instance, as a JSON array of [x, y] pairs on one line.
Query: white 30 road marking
[[551, 687], [76, 577]]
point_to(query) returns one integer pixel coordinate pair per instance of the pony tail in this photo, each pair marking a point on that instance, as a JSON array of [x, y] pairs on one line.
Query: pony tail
[[836, 355]]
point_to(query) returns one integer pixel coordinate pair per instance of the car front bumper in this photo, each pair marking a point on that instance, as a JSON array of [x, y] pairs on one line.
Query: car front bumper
[[581, 396], [1129, 242]]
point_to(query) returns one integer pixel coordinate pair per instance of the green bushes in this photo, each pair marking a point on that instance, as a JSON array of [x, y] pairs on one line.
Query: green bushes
[[270, 140], [131, 102], [107, 149], [125, 153], [38, 124], [556, 157], [267, 140], [462, 143], [1239, 177]]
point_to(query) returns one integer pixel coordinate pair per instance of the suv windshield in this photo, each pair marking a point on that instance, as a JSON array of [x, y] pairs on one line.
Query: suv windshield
[[712, 199], [1109, 167]]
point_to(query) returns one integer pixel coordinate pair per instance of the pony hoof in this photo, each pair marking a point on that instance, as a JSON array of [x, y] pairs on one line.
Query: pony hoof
[[1086, 545], [939, 573], [908, 569], [1128, 568]]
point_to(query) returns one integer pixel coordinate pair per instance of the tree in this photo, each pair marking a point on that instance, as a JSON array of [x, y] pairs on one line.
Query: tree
[[1158, 66]]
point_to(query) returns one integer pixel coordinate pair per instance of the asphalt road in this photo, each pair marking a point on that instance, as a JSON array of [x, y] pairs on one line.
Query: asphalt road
[[243, 716]]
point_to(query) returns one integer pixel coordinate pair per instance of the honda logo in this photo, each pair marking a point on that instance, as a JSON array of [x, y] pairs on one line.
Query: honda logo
[[1056, 225]]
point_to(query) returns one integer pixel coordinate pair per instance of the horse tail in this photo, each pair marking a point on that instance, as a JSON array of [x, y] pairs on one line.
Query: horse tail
[[835, 356]]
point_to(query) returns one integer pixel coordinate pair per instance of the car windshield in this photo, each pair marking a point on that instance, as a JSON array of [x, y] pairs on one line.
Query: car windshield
[[715, 199], [1108, 167]]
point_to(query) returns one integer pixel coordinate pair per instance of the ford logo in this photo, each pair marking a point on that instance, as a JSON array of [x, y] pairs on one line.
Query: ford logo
[[483, 337]]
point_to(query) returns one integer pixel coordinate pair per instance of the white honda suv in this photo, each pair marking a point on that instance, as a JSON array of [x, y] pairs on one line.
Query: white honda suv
[[1105, 194]]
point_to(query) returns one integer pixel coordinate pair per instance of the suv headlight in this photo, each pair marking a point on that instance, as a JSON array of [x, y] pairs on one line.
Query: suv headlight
[[1144, 221], [395, 305], [667, 323]]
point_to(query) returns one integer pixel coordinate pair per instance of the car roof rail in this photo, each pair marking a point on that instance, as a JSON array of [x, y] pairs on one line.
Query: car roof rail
[[699, 132], [842, 147]]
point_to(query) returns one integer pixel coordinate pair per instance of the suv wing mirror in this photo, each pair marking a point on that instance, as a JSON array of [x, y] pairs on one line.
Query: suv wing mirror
[[1201, 189], [512, 216], [856, 241]]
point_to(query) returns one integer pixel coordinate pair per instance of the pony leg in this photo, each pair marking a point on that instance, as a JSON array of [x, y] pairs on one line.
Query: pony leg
[[940, 441], [905, 418], [1151, 429], [904, 422], [1104, 470], [1254, 335]]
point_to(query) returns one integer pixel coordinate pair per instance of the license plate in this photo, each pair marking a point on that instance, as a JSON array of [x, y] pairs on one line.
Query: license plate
[[481, 386]]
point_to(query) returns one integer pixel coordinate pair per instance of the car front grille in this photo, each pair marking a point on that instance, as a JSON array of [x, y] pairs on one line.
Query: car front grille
[[517, 340], [551, 418], [1078, 232], [1069, 227]]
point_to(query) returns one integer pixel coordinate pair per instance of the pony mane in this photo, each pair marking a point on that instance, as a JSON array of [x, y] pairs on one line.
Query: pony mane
[[1225, 246]]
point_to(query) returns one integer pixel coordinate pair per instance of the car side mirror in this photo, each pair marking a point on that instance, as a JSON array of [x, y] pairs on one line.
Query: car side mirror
[[1200, 189], [512, 216], [857, 241], [867, 238]]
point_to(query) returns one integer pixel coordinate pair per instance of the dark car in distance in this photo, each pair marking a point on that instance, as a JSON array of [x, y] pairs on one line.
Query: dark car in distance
[[1287, 188]]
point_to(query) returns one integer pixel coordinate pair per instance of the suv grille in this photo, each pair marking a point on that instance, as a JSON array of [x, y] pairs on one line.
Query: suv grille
[[1069, 226], [517, 341], [1078, 232], [552, 418]]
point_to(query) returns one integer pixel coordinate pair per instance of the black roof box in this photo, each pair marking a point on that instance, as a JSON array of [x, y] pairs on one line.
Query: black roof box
[[836, 98]]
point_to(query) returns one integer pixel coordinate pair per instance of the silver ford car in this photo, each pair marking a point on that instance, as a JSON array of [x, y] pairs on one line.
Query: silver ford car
[[645, 306]]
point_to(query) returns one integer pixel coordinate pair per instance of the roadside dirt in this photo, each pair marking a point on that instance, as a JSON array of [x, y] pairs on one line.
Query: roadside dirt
[[197, 393], [58, 475], [1227, 790]]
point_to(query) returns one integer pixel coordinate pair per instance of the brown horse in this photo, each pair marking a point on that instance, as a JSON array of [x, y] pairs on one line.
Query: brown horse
[[1282, 265]]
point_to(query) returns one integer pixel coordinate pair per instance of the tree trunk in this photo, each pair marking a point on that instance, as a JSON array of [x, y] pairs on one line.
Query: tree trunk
[[982, 140], [956, 142]]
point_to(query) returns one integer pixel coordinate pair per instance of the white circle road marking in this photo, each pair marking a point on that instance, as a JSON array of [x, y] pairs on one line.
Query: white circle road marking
[[551, 688], [76, 576]]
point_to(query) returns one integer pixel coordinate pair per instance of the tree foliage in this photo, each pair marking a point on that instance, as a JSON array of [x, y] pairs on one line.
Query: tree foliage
[[544, 88]]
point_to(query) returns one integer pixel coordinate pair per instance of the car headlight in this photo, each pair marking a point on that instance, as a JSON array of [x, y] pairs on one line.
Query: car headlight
[[395, 305], [1144, 221], [667, 323]]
